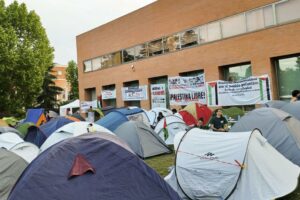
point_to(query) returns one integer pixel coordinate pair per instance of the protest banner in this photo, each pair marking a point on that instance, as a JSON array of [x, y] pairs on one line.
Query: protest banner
[[137, 93], [158, 96], [252, 90], [184, 90], [108, 94]]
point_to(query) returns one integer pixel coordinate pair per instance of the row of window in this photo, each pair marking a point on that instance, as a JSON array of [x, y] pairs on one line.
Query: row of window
[[264, 17]]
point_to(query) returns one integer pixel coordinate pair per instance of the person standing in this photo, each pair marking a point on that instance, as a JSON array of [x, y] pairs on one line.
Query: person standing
[[295, 95], [91, 115], [218, 122]]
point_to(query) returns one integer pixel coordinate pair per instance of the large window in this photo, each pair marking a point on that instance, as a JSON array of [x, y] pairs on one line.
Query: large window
[[171, 43], [109, 102], [236, 72], [288, 11], [288, 73], [233, 25], [213, 31], [132, 103], [189, 38], [116, 58], [141, 51], [128, 55], [96, 63], [155, 47], [87, 66], [107, 61]]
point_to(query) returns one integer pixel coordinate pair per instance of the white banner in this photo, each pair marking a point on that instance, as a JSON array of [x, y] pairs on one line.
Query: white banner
[[108, 94], [135, 93], [252, 90], [184, 90], [158, 96], [85, 105]]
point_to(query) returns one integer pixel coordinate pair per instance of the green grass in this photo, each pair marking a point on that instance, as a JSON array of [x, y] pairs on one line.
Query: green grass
[[161, 164]]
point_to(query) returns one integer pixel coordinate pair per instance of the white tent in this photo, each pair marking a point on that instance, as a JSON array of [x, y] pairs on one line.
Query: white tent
[[71, 130], [153, 113], [234, 166], [63, 109], [26, 150], [174, 125], [9, 139]]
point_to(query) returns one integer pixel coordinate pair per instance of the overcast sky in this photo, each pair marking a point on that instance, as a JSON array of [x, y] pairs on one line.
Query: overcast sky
[[65, 19]]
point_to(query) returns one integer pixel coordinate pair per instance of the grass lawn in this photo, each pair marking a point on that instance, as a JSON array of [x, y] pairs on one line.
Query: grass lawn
[[163, 162]]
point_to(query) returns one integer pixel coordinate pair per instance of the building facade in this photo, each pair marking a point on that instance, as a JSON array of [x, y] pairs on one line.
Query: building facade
[[59, 71], [226, 40]]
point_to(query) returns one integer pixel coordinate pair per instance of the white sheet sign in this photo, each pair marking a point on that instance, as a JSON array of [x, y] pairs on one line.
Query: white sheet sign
[[135, 93], [158, 96], [108, 94], [252, 90], [184, 90]]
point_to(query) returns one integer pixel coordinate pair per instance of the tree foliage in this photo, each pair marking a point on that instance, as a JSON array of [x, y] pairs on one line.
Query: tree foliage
[[48, 97], [72, 78], [25, 54]]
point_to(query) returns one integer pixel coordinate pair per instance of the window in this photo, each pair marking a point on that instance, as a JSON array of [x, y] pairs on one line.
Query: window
[[171, 43], [116, 58], [141, 51], [189, 38], [109, 102], [203, 34], [90, 94], [191, 73], [106, 61], [287, 11], [128, 55], [233, 25], [213, 31], [96, 63], [155, 47], [268, 16], [288, 73], [255, 20], [132, 103], [87, 66], [237, 72], [59, 72]]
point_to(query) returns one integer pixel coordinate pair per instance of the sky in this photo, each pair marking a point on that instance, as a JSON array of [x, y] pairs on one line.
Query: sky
[[65, 19]]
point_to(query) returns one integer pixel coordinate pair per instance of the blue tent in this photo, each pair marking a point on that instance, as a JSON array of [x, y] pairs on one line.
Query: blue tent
[[90, 166], [38, 135], [117, 117], [35, 116]]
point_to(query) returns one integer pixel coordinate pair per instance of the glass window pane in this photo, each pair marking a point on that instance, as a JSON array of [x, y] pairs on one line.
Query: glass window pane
[[238, 72], [87, 66], [288, 76], [233, 25], [268, 16], [189, 38], [213, 31], [116, 58], [288, 11], [203, 34], [255, 20], [171, 43], [128, 55], [96, 63], [155, 47], [107, 61], [141, 51]]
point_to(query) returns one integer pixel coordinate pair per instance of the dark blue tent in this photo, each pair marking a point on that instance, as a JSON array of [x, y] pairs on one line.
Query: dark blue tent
[[35, 116], [91, 166], [38, 135], [117, 117]]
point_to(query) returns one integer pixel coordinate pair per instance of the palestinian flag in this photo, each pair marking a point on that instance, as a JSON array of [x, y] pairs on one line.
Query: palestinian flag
[[165, 130]]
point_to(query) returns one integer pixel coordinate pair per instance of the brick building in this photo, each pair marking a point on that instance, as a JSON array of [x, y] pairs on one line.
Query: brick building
[[59, 71], [223, 39]]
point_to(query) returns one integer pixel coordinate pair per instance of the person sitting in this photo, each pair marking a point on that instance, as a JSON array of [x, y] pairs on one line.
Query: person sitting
[[218, 122], [160, 116], [295, 95]]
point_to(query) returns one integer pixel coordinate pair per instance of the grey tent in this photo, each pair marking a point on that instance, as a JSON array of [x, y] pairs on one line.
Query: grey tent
[[292, 108], [142, 139], [6, 129], [275, 104], [11, 168], [278, 127]]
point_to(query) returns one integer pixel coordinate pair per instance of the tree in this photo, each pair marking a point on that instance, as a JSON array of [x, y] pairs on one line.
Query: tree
[[25, 54], [72, 78], [47, 98]]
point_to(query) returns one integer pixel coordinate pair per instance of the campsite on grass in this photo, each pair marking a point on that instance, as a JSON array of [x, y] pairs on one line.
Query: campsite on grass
[[130, 152]]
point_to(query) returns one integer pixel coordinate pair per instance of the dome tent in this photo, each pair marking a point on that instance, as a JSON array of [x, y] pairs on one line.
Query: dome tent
[[142, 139], [174, 125], [71, 130], [278, 127], [234, 166], [11, 168], [153, 113], [292, 108], [91, 166]]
